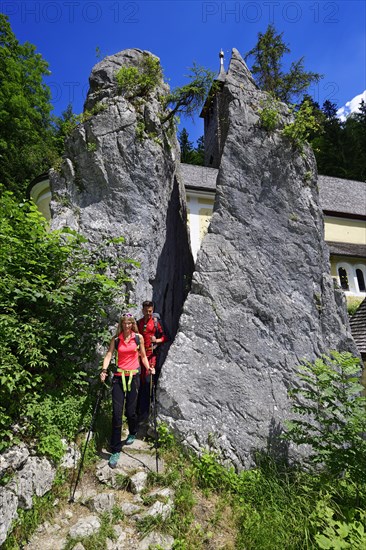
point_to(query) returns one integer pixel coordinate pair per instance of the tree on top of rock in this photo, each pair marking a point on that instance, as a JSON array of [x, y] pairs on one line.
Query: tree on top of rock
[[188, 99], [267, 68]]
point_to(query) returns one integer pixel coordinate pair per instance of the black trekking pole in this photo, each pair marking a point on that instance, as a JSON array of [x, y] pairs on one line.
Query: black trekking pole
[[153, 399], [99, 398]]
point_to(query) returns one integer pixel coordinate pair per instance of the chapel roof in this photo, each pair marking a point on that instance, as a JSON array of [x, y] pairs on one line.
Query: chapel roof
[[201, 178], [347, 249], [342, 196], [337, 195]]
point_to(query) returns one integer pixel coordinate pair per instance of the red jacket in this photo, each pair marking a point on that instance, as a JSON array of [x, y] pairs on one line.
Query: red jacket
[[149, 329]]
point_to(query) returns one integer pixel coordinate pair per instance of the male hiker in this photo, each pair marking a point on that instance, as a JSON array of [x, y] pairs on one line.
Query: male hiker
[[153, 333]]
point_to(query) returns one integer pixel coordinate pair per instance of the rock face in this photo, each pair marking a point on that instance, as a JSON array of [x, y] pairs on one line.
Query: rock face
[[30, 476], [120, 176], [262, 297]]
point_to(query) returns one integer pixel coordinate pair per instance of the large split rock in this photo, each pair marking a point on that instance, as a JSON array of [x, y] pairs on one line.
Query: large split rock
[[262, 297], [120, 176]]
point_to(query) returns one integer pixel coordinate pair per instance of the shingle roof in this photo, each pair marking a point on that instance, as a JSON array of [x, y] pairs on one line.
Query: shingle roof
[[358, 327], [347, 249], [199, 177], [342, 196], [336, 195]]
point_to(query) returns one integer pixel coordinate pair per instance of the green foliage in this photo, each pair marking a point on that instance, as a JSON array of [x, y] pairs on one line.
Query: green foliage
[[51, 446], [353, 304], [332, 418], [54, 290], [186, 146], [188, 153], [68, 121], [267, 68], [267, 509], [304, 125], [212, 475], [148, 523], [140, 130], [53, 417], [269, 114], [166, 438], [271, 506], [188, 99], [141, 80], [340, 150], [26, 143], [354, 144], [336, 534], [91, 147]]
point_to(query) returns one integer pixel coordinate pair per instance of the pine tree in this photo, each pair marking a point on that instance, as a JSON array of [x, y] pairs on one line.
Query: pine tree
[[200, 151], [328, 146], [267, 68], [186, 146], [355, 144]]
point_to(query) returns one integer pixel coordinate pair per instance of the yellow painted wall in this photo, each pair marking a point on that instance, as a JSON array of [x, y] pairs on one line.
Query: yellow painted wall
[[207, 201], [345, 230], [205, 217]]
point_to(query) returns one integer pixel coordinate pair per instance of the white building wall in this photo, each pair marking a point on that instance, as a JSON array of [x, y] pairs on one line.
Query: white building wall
[[199, 209]]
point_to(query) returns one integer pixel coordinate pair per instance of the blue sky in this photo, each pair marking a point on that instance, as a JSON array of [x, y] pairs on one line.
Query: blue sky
[[330, 34]]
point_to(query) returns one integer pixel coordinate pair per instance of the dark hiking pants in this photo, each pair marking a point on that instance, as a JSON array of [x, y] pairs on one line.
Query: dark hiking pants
[[118, 397]]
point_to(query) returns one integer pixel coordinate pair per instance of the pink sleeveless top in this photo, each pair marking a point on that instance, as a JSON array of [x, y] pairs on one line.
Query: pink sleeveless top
[[128, 357]]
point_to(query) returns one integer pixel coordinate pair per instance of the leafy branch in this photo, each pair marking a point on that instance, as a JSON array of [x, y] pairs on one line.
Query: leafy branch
[[188, 99]]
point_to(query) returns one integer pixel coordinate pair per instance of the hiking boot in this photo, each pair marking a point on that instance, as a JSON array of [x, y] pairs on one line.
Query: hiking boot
[[113, 460], [130, 439]]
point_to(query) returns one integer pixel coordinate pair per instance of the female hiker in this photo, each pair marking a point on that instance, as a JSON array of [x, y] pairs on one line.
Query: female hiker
[[126, 380]]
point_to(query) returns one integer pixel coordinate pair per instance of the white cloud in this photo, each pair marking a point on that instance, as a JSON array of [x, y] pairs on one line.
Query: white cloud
[[352, 106]]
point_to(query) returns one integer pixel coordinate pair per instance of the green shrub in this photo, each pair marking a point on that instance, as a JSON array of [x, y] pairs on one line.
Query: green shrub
[[54, 289], [304, 125], [140, 80], [269, 114], [51, 446], [331, 415]]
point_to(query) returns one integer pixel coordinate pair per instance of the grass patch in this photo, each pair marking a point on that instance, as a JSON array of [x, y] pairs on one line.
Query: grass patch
[[98, 541], [268, 507]]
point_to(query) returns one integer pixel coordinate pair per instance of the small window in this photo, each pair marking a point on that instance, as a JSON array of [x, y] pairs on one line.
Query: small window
[[343, 277], [360, 280]]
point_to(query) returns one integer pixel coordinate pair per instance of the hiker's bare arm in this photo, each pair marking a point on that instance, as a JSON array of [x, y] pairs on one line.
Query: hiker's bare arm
[[143, 357], [107, 360]]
